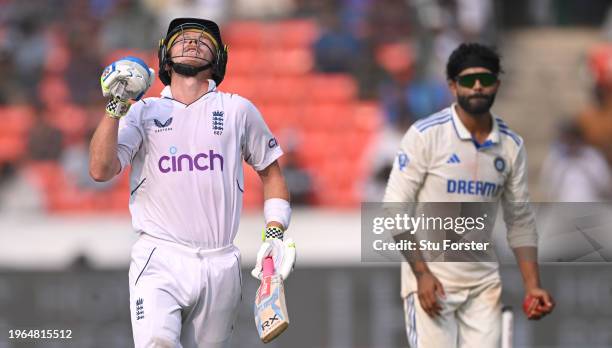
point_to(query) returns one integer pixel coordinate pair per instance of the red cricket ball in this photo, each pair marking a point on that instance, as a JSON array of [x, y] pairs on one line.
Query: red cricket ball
[[529, 305]]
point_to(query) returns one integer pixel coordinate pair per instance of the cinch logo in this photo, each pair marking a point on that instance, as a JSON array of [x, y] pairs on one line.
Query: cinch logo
[[184, 162], [272, 143], [471, 187]]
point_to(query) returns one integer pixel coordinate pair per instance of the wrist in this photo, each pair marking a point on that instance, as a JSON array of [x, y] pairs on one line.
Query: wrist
[[273, 232], [117, 108], [277, 211], [530, 285], [420, 274], [420, 269]]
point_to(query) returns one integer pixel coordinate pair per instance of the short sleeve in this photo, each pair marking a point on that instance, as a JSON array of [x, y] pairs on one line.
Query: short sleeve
[[409, 169], [260, 147], [130, 135]]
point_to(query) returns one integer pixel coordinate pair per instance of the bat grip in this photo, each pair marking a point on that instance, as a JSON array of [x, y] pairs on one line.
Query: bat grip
[[268, 266], [120, 89]]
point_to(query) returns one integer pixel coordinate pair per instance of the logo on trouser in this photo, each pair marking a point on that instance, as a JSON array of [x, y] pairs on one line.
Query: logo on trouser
[[139, 309]]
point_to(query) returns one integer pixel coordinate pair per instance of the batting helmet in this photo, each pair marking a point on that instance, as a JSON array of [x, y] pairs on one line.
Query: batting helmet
[[179, 24]]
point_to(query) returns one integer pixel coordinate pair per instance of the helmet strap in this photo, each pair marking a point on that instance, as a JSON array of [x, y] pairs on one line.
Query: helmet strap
[[188, 70]]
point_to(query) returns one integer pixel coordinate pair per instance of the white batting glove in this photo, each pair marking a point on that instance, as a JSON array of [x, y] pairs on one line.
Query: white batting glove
[[281, 251], [126, 78]]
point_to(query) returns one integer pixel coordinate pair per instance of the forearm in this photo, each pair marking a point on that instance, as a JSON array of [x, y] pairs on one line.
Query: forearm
[[419, 268], [103, 161], [273, 181], [274, 186], [526, 258]]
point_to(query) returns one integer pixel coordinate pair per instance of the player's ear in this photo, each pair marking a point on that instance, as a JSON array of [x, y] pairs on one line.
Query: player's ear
[[452, 85]]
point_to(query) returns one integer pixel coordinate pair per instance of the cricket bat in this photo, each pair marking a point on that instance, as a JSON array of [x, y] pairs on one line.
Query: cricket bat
[[271, 316]]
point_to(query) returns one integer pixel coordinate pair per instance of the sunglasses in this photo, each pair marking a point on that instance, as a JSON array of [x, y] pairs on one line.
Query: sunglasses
[[469, 80]]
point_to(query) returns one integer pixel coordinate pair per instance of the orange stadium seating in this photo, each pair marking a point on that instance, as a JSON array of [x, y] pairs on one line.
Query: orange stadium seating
[[317, 115], [16, 122]]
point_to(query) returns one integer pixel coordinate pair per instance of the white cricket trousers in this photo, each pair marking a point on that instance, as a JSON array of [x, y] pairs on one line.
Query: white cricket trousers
[[181, 296], [470, 318]]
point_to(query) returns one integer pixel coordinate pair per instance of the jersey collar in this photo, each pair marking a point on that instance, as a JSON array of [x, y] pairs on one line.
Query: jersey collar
[[167, 93], [464, 134]]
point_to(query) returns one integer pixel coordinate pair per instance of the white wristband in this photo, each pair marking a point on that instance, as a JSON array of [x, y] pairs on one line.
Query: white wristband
[[277, 209]]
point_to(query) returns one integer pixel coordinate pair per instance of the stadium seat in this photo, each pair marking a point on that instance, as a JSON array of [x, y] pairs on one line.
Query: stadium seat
[[330, 117], [368, 117], [16, 120], [290, 61], [332, 87], [245, 61], [245, 34], [245, 87], [252, 198], [12, 148], [298, 33], [119, 200], [146, 56], [123, 182], [289, 89], [58, 58], [279, 116], [71, 120], [44, 175], [53, 91], [266, 90], [314, 148]]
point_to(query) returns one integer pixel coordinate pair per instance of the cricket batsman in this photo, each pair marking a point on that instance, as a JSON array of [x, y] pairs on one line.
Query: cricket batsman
[[455, 155], [185, 150]]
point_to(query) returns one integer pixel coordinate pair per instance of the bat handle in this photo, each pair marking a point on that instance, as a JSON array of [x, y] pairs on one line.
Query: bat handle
[[268, 266], [120, 89]]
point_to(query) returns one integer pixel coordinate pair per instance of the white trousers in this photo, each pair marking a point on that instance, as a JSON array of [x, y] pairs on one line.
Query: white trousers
[[469, 318], [181, 296]]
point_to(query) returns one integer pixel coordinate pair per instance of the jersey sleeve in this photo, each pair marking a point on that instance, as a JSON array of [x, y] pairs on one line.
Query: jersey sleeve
[[518, 215], [130, 135], [409, 169], [260, 148]]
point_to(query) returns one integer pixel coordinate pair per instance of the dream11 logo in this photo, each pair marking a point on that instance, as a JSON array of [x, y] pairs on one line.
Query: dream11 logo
[[178, 163]]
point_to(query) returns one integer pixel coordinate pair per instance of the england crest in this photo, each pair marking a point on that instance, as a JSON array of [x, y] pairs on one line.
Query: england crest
[[217, 122]]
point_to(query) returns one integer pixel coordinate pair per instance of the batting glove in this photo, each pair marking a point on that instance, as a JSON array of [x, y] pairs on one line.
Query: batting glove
[[127, 78], [117, 108], [281, 251]]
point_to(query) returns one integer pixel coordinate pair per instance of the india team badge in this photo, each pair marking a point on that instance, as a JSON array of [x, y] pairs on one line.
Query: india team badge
[[499, 164], [402, 160]]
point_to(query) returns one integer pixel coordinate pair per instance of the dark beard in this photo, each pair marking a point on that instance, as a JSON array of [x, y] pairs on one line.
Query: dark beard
[[476, 106]]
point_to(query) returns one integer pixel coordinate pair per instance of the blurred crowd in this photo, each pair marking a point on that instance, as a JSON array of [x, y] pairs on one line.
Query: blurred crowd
[[578, 167], [53, 51]]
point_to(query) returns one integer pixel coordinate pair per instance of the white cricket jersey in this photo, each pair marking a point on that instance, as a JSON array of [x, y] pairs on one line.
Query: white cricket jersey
[[186, 182], [438, 161]]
